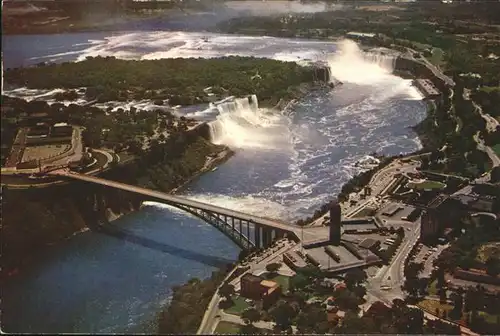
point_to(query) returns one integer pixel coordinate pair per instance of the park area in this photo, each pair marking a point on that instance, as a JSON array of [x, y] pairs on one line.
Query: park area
[[227, 328], [239, 305]]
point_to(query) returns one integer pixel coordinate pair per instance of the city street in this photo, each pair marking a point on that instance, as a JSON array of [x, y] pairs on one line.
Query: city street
[[391, 276]]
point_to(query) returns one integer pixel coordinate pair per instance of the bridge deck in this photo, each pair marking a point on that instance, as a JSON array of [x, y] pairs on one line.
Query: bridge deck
[[181, 201]]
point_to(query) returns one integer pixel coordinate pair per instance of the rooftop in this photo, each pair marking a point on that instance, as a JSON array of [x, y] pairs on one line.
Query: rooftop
[[268, 283], [252, 278], [368, 243], [361, 34], [437, 201]]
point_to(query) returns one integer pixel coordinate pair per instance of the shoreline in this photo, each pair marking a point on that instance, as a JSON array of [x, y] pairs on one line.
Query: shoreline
[[25, 262]]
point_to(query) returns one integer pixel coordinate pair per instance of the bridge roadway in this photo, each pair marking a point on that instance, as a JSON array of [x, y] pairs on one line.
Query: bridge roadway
[[177, 200]]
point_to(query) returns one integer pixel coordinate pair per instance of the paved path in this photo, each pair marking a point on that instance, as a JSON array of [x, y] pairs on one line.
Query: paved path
[[495, 160]]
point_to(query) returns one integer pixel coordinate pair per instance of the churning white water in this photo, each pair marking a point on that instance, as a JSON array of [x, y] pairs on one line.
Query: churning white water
[[351, 64], [240, 122]]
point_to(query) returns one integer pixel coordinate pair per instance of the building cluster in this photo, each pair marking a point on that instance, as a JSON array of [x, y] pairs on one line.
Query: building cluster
[[42, 142], [476, 275], [445, 210], [255, 288]]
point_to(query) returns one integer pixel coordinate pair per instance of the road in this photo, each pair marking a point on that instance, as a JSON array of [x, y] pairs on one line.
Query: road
[[495, 160], [491, 123], [435, 70], [171, 199], [393, 275], [491, 126]]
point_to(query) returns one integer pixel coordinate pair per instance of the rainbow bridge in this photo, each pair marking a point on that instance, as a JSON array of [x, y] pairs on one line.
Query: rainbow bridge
[[247, 231]]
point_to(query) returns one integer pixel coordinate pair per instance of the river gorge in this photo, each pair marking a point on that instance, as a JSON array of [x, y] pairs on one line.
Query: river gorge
[[286, 164]]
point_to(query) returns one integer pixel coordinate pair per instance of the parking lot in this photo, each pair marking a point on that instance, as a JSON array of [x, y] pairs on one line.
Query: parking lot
[[426, 255]]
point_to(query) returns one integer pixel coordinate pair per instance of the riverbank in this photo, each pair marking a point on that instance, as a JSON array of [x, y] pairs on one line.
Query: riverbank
[[52, 216], [185, 312], [210, 164]]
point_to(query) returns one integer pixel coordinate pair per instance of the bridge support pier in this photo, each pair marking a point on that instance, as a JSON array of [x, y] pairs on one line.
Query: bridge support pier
[[241, 231], [257, 229], [248, 229], [266, 237]]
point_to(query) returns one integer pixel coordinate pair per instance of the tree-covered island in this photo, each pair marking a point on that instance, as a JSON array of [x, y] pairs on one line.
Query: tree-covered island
[[181, 81]]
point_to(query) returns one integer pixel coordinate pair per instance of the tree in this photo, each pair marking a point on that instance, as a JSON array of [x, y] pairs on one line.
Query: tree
[[310, 319], [493, 266], [412, 283], [250, 315], [408, 320], [438, 327], [310, 272], [457, 299], [248, 329], [442, 295], [351, 324], [273, 267], [355, 277], [412, 270], [226, 291], [347, 300], [298, 282], [495, 175], [283, 314]]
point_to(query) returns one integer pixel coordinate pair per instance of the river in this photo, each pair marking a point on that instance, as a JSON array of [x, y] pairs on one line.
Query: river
[[286, 165]]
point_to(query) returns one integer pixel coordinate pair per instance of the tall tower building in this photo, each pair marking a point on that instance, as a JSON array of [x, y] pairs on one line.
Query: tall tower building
[[335, 222]]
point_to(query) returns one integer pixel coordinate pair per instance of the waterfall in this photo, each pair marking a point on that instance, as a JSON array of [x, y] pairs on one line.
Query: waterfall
[[240, 111], [350, 64], [241, 123], [386, 62]]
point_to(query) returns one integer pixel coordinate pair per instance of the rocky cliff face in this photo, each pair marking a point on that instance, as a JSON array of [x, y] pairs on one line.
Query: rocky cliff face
[[34, 219]]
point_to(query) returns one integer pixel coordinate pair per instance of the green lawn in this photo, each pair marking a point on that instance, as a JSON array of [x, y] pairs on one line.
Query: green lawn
[[488, 317], [433, 288], [227, 328], [283, 281], [431, 305], [239, 305], [489, 89], [496, 148], [427, 185], [437, 56], [486, 251]]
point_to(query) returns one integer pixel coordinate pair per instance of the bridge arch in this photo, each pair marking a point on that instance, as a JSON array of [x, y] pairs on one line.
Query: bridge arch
[[232, 223], [230, 231]]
